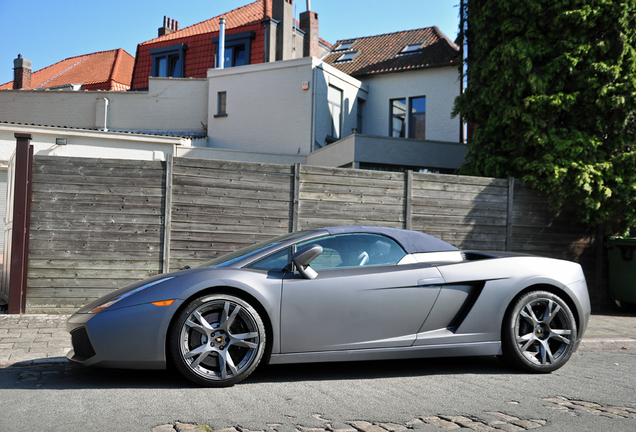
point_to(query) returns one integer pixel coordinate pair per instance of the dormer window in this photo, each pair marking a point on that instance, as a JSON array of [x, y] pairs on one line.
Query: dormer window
[[345, 46], [237, 49], [168, 61], [348, 56], [411, 49]]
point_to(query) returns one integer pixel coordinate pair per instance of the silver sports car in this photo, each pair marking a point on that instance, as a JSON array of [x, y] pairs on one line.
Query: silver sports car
[[339, 294]]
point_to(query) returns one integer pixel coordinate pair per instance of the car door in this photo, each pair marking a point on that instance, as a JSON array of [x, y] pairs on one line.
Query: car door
[[360, 299]]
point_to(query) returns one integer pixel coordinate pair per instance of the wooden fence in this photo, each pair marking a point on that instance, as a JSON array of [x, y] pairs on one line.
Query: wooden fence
[[97, 225]]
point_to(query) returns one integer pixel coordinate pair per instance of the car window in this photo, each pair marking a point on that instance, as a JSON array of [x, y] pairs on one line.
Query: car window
[[277, 261], [355, 250], [231, 258]]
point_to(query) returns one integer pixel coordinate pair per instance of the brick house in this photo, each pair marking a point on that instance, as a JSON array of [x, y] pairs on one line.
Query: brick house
[[260, 32]]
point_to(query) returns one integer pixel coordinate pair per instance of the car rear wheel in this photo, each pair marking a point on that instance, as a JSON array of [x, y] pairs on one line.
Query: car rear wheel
[[217, 340], [539, 332]]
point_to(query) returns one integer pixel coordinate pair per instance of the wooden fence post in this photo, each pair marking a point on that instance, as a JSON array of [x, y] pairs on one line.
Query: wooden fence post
[[167, 214], [408, 197], [21, 221], [295, 197], [511, 196]]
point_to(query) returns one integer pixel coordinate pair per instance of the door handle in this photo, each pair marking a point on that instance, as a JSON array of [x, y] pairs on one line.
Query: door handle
[[430, 281]]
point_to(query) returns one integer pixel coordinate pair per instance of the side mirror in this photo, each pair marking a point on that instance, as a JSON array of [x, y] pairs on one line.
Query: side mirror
[[303, 257]]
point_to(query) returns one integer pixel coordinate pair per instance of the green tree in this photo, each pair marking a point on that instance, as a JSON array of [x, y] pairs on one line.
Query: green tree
[[552, 89]]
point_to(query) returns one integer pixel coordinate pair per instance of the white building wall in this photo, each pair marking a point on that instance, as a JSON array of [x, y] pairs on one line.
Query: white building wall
[[169, 104], [3, 208], [440, 86], [93, 144], [352, 89], [267, 109], [271, 107]]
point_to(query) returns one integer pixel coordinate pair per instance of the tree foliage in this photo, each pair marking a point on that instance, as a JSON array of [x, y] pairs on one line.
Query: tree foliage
[[552, 90]]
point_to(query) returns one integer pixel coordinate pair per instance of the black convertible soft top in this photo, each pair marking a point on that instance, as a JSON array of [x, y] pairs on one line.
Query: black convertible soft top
[[411, 241]]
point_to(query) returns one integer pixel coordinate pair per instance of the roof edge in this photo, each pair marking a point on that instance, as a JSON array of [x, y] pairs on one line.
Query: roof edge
[[410, 69], [173, 34], [446, 38]]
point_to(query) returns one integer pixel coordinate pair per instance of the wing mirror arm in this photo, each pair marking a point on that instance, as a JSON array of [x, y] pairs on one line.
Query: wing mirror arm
[[304, 257]]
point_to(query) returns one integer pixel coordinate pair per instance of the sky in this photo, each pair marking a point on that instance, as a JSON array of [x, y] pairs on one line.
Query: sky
[[46, 31]]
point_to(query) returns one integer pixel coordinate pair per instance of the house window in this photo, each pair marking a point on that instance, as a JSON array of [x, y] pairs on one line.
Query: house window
[[417, 117], [412, 125], [235, 56], [237, 49], [168, 61], [345, 46], [411, 49], [349, 56], [334, 100], [221, 104], [398, 118], [360, 115]]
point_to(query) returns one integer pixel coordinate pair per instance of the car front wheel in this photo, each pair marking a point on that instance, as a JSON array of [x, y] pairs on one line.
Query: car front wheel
[[217, 340], [539, 332]]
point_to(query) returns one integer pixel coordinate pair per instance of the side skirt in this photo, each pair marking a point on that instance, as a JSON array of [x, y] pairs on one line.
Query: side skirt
[[446, 350]]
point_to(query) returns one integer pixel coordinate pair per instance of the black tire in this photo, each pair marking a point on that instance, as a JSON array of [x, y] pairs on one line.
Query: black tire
[[539, 332], [218, 340]]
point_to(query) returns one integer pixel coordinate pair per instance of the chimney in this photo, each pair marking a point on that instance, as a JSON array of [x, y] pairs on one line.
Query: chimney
[[283, 12], [169, 26], [309, 25], [267, 9], [21, 73]]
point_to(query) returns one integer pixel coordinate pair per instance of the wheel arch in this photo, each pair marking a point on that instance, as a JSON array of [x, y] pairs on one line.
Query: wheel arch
[[245, 296]]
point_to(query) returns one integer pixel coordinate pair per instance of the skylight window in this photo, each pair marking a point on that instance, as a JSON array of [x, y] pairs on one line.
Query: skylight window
[[348, 56], [411, 49], [345, 46]]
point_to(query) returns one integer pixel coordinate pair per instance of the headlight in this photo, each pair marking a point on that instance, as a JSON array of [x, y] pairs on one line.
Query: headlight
[[109, 303]]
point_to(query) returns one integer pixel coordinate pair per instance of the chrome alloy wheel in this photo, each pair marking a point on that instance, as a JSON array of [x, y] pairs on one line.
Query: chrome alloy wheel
[[540, 333], [544, 331], [220, 340]]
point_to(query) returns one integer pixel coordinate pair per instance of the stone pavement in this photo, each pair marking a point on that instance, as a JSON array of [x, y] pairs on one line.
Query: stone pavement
[[27, 340]]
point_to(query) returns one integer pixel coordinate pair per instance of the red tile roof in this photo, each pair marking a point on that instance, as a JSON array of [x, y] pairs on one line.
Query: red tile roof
[[382, 54], [104, 70], [200, 55], [248, 14]]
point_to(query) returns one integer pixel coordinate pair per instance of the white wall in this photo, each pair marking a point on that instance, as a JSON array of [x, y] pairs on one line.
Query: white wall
[[352, 89], [175, 104], [439, 85], [268, 109], [239, 155], [93, 144]]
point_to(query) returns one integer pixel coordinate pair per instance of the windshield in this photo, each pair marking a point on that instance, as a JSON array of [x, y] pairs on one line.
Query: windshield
[[232, 257]]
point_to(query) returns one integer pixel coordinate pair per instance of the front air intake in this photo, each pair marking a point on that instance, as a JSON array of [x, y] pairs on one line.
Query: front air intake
[[82, 344]]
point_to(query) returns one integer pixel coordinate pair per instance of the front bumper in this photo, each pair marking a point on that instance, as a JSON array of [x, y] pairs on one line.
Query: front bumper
[[133, 337]]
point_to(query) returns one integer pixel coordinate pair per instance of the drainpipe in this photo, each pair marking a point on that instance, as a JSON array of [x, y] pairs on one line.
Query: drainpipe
[[221, 43]]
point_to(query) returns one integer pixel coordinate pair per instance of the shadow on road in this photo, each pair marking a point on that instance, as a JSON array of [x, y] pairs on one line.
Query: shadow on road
[[71, 376]]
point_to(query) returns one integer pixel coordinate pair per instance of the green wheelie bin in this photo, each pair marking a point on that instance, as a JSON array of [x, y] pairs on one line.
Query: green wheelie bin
[[622, 270]]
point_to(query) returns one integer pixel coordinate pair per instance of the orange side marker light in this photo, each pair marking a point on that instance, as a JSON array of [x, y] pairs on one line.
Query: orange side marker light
[[163, 303]]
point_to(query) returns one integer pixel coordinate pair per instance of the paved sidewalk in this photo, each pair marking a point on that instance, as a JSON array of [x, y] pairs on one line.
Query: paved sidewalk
[[39, 339]]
